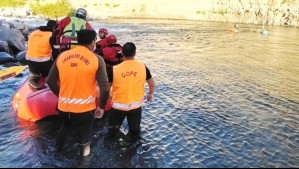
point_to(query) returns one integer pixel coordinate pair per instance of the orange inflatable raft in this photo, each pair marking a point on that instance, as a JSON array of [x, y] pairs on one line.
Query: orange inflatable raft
[[33, 105], [233, 30]]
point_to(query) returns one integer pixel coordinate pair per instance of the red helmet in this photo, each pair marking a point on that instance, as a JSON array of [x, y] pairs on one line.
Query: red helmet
[[111, 39], [104, 30]]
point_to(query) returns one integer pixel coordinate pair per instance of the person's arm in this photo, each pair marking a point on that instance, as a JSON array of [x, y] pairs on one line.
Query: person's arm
[[55, 49], [103, 83], [110, 75], [151, 83], [101, 77], [55, 42], [60, 27], [53, 79], [88, 26], [57, 33]]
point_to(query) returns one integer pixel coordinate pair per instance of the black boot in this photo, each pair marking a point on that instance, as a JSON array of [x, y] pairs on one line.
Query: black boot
[[33, 82], [61, 138]]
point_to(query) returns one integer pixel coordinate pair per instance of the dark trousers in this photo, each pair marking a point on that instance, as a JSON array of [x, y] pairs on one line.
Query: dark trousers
[[81, 122], [40, 68], [134, 119]]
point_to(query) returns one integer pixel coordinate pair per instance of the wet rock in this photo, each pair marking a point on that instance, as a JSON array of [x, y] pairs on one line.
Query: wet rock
[[21, 57], [5, 57]]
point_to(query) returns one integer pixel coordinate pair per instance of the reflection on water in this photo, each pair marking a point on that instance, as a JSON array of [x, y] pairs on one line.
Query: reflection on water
[[223, 100]]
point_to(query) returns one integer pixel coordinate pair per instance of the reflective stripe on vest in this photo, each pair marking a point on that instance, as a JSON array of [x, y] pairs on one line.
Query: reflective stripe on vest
[[39, 48], [76, 24], [127, 107], [43, 59], [89, 100]]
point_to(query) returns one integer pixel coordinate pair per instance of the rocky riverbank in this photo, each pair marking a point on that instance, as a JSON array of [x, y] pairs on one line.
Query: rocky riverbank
[[264, 12]]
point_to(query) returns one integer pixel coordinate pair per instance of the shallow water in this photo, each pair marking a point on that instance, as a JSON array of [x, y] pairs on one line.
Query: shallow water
[[222, 100]]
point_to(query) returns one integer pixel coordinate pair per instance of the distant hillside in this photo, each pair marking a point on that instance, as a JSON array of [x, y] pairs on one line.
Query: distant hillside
[[266, 12]]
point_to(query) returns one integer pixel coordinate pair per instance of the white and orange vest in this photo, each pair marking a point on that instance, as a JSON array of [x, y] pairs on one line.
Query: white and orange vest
[[39, 48], [77, 74], [129, 79]]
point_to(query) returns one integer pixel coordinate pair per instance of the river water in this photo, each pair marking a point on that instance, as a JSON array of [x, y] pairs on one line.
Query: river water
[[222, 100]]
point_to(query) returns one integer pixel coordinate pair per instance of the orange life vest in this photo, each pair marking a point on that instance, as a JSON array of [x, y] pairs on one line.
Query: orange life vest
[[39, 48], [128, 85], [77, 74]]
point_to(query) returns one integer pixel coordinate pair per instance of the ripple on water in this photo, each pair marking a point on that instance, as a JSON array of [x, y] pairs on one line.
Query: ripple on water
[[222, 100]]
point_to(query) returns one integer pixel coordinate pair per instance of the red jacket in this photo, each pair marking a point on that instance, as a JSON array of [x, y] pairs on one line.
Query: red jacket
[[61, 26], [112, 54], [101, 44]]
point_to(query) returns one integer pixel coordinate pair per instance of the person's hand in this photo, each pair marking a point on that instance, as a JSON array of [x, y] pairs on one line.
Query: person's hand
[[99, 113], [149, 97]]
